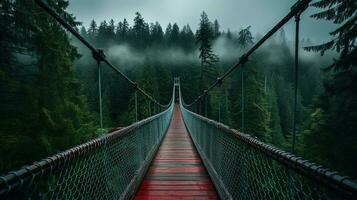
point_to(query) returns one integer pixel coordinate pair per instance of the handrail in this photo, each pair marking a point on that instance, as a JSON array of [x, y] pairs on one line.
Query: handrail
[[342, 184], [97, 54], [11, 180], [14, 180], [296, 9]]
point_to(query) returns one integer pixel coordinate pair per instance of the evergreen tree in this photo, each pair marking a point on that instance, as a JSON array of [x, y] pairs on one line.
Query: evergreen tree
[[157, 35], [103, 34], [250, 107], [122, 31], [175, 33], [83, 32], [168, 32], [111, 30], [93, 30], [204, 37], [229, 34], [245, 38], [140, 30], [216, 26], [334, 118], [277, 137], [51, 114], [187, 38]]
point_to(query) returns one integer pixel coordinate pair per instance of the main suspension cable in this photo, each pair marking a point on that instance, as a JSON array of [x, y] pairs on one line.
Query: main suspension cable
[[297, 8], [98, 55]]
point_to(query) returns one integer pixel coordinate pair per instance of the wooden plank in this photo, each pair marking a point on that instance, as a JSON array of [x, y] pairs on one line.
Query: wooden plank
[[177, 171]]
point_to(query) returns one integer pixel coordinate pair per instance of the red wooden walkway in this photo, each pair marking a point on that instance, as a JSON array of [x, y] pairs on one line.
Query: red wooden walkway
[[177, 171]]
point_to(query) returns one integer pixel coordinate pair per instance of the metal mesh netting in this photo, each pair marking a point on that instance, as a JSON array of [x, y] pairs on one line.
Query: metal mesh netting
[[110, 167], [241, 170]]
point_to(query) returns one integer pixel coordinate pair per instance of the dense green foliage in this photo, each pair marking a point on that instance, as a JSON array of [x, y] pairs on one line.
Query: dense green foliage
[[49, 83], [330, 137], [43, 109]]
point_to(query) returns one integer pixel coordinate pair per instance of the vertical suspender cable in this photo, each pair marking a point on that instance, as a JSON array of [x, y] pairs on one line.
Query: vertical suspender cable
[[297, 8], [100, 97], [297, 23], [97, 53]]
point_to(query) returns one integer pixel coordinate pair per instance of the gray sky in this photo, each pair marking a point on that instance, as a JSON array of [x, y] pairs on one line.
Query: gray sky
[[233, 14]]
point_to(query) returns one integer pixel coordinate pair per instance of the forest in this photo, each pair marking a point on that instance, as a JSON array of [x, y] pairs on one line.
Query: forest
[[49, 93]]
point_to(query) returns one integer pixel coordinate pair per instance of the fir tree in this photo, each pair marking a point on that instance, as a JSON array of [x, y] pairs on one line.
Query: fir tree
[[175, 33], [216, 31], [204, 37], [245, 38], [93, 30], [334, 119], [51, 114]]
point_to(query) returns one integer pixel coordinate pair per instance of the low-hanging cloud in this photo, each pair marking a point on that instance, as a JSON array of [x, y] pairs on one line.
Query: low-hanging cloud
[[127, 56]]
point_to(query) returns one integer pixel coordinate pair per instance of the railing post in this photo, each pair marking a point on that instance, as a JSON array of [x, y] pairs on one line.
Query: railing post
[[136, 105], [297, 23]]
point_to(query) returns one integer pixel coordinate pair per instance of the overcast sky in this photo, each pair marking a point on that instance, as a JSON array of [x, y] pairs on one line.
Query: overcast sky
[[233, 14]]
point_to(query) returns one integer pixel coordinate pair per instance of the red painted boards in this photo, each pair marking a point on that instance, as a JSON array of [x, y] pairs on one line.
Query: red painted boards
[[177, 171]]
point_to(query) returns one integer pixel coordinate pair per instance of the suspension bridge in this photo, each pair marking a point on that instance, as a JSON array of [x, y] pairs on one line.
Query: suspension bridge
[[177, 154]]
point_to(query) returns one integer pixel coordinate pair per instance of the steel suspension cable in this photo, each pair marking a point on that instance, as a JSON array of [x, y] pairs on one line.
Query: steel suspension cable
[[296, 9], [297, 24], [97, 54], [100, 98]]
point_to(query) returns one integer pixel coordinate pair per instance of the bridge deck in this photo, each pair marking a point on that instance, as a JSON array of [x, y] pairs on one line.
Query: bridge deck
[[177, 171]]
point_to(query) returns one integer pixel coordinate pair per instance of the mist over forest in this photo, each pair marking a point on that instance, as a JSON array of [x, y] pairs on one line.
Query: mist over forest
[[48, 84]]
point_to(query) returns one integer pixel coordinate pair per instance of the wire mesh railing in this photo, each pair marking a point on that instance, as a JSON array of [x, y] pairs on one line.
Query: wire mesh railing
[[109, 167], [242, 167]]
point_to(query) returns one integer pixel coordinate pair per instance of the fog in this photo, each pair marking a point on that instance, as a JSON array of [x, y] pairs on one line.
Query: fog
[[127, 56]]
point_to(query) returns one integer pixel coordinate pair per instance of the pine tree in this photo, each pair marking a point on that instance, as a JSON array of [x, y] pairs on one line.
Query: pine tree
[[216, 31], [103, 33], [245, 38], [334, 119], [175, 33], [204, 37], [229, 35], [52, 114], [187, 38], [250, 107], [168, 32], [93, 30], [122, 31], [111, 30], [157, 35], [140, 30], [83, 32]]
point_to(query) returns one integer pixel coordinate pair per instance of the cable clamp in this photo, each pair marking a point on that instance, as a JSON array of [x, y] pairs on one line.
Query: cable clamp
[[98, 55]]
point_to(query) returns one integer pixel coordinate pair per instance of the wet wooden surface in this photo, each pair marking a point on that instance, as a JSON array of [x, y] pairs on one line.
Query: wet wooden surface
[[177, 171]]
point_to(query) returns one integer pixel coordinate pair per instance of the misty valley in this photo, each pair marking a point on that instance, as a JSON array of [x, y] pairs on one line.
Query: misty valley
[[50, 102]]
